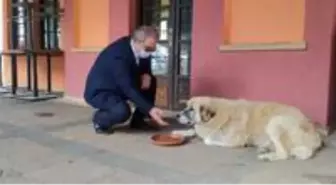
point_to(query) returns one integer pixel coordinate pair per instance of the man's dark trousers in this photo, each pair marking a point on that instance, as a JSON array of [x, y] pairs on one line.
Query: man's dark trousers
[[120, 111]]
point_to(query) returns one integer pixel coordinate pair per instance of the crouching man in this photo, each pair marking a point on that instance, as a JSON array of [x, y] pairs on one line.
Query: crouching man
[[121, 73]]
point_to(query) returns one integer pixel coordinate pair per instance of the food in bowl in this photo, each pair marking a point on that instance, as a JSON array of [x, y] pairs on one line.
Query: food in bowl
[[168, 139]]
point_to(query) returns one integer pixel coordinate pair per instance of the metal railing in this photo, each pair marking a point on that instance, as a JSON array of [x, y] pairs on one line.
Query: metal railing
[[25, 17]]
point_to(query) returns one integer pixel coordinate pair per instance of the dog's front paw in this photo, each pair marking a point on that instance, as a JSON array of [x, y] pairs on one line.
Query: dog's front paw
[[185, 133], [271, 156], [263, 150], [266, 157], [207, 141]]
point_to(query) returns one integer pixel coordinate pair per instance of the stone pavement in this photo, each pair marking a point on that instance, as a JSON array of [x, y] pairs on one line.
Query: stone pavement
[[64, 149]]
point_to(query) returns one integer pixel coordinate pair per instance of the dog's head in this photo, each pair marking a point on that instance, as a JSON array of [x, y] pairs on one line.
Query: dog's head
[[187, 116], [196, 112]]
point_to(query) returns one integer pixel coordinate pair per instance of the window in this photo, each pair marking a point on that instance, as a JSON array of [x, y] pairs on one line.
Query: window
[[265, 22], [18, 24], [48, 29], [50, 24]]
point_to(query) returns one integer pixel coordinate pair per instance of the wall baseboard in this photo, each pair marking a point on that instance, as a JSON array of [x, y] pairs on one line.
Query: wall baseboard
[[73, 101], [81, 102]]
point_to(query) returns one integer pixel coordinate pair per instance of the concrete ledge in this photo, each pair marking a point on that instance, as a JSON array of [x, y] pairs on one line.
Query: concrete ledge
[[297, 46], [72, 101], [81, 102], [87, 50]]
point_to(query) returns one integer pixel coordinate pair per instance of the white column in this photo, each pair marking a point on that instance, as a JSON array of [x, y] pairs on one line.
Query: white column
[[1, 24], [2, 17]]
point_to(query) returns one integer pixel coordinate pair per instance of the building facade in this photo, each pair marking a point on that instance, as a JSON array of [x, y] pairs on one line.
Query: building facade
[[270, 50]]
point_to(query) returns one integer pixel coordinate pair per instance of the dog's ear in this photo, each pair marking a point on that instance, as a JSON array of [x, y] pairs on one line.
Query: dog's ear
[[206, 113], [212, 113], [190, 103], [208, 110]]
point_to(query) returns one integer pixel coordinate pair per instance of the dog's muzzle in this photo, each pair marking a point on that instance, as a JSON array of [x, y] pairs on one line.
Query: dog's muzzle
[[186, 117]]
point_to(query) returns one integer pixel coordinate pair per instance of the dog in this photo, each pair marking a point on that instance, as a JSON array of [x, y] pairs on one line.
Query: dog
[[278, 131]]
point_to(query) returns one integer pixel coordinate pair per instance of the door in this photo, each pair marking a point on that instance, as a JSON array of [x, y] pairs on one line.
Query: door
[[171, 61]]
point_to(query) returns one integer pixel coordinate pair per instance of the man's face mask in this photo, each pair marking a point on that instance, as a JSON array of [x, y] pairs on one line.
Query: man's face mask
[[144, 54]]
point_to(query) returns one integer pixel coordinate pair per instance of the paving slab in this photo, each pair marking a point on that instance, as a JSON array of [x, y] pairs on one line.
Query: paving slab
[[274, 176], [24, 156], [19, 180], [194, 158], [23, 113], [78, 171], [120, 176], [64, 149]]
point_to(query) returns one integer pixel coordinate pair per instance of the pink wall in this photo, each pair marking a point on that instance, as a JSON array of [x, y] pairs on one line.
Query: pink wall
[[296, 78], [77, 64]]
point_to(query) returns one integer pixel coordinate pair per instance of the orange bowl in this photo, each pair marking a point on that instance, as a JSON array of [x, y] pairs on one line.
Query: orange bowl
[[168, 139]]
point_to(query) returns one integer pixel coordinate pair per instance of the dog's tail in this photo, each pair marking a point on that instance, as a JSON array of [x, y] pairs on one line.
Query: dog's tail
[[322, 130]]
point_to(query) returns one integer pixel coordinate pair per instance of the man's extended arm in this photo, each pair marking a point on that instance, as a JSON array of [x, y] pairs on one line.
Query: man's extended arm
[[122, 75], [145, 66]]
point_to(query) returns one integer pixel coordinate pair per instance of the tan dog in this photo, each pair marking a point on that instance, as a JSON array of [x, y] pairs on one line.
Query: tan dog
[[278, 131]]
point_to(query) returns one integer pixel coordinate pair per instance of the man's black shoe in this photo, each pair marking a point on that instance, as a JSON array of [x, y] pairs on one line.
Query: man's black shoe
[[99, 130]]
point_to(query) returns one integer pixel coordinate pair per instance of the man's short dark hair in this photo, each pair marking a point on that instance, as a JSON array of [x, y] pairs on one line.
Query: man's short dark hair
[[143, 32]]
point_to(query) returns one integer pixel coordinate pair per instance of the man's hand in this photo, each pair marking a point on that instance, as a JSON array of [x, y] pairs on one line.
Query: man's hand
[[156, 115], [145, 81]]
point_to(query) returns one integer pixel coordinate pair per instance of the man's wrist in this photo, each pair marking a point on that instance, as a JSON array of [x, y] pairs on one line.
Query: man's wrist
[[149, 108]]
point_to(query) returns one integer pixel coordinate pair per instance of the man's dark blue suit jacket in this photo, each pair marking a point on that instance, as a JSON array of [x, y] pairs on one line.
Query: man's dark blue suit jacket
[[115, 76]]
